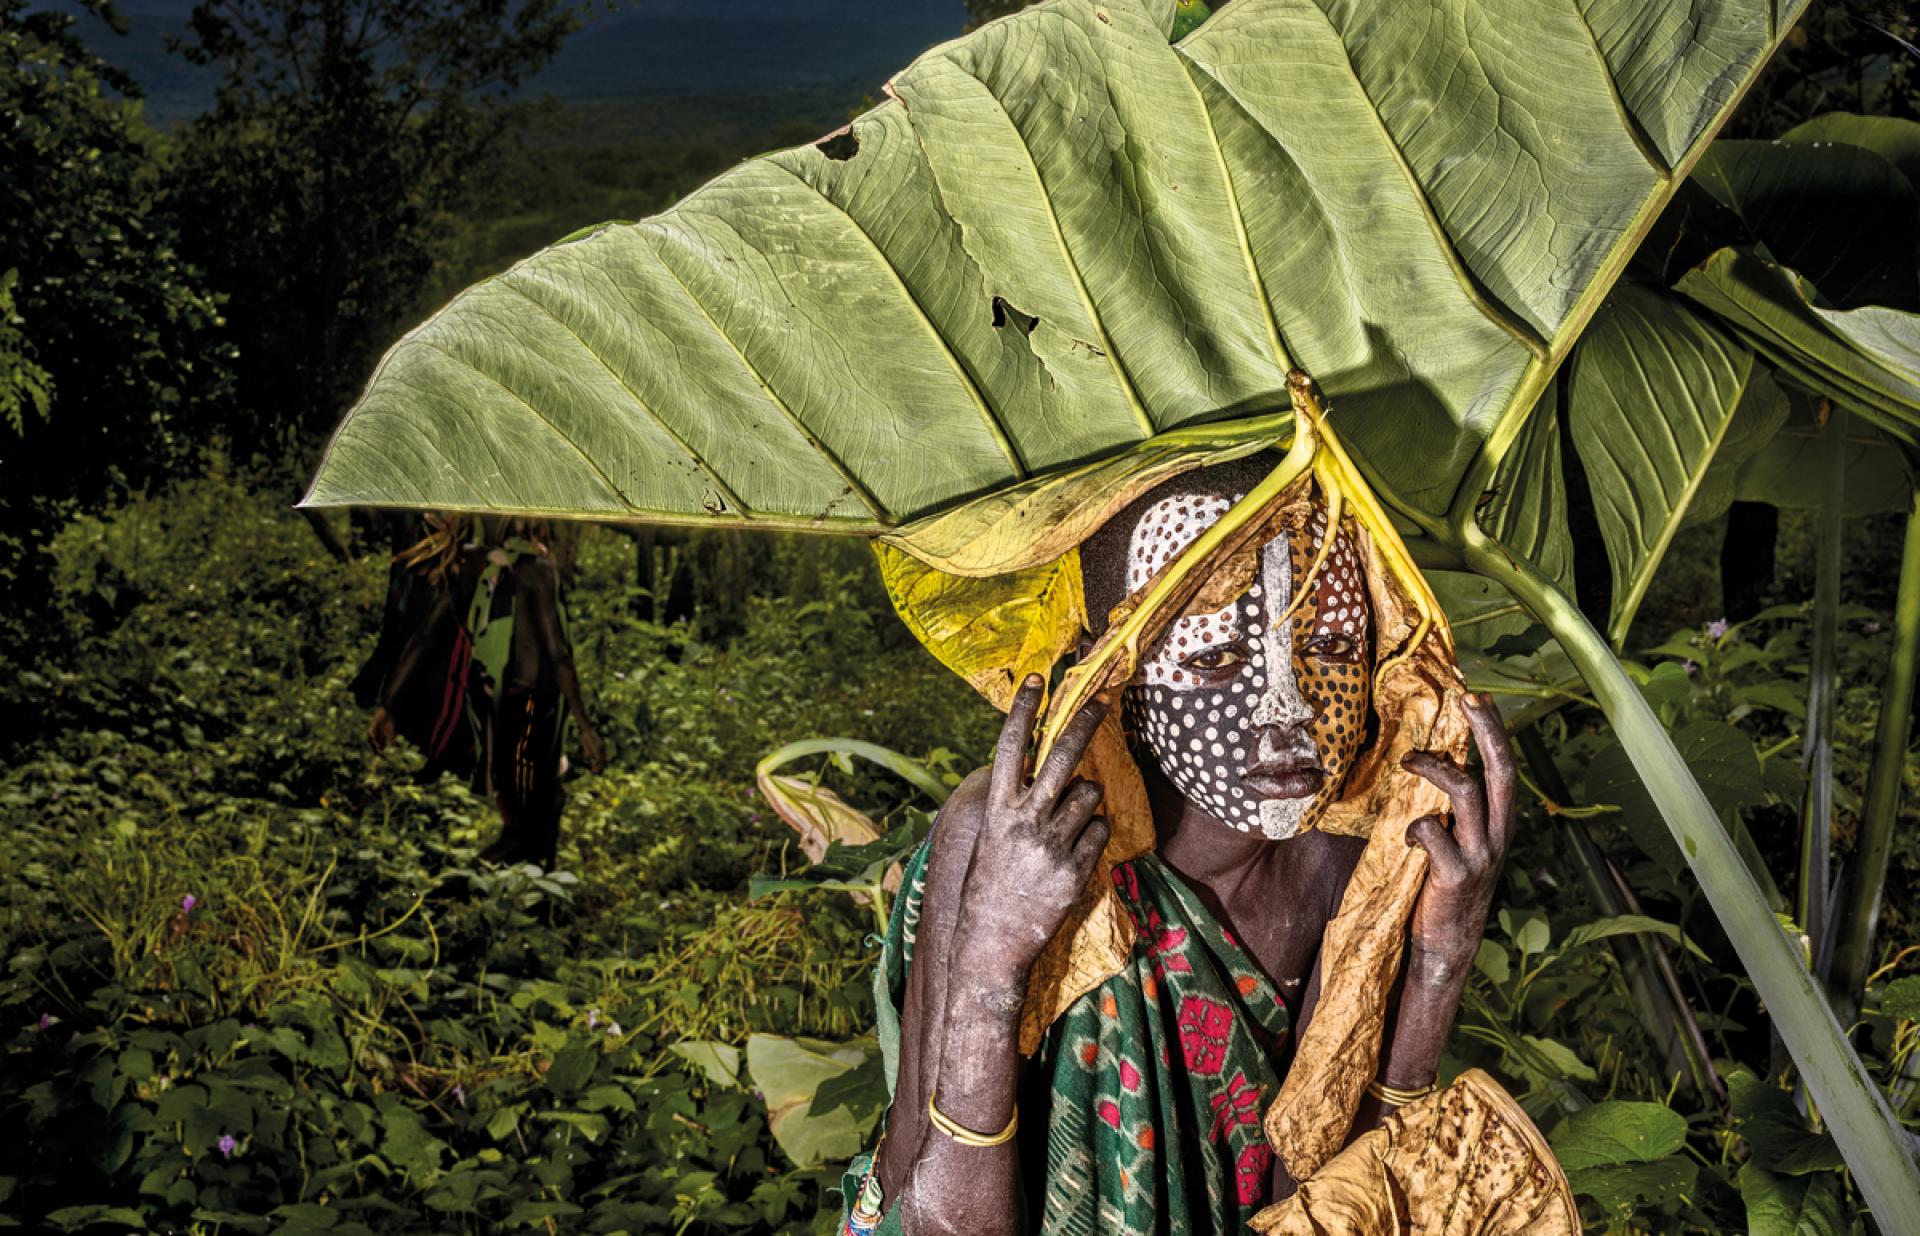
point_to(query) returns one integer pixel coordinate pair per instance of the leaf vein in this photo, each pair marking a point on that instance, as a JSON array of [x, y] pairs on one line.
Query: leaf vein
[[726, 491]]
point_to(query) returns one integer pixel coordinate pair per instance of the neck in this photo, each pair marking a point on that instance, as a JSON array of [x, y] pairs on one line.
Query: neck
[[1213, 857]]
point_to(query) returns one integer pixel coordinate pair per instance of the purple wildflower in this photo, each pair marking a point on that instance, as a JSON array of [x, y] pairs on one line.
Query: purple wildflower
[[46, 1022], [187, 903], [593, 1019], [1689, 666], [227, 1145], [753, 817], [459, 1094], [1717, 629], [1870, 628]]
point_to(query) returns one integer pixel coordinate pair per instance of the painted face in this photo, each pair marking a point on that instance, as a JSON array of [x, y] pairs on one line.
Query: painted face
[[1255, 721]]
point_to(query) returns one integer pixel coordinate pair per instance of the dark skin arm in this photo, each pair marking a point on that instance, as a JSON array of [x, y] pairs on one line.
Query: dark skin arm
[[1009, 857], [969, 974], [1451, 915]]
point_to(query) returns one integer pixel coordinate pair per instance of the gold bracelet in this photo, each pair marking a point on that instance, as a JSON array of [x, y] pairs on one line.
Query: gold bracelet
[[967, 1137], [1397, 1097]]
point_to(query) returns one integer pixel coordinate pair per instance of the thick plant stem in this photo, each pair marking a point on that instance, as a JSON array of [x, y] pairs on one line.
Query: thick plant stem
[[1875, 1146], [1853, 949], [1664, 1012], [1816, 809]]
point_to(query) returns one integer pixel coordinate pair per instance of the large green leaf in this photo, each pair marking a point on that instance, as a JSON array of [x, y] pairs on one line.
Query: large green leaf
[[1879, 478], [1065, 236], [1664, 410], [1618, 1131], [1893, 139], [1789, 1206], [789, 1072], [1787, 194], [1866, 359]]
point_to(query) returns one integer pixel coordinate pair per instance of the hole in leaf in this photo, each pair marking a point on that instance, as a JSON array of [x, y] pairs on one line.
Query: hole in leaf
[[1004, 313], [839, 146]]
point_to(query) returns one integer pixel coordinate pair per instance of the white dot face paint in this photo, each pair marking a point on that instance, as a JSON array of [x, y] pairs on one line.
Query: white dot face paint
[[1287, 699]]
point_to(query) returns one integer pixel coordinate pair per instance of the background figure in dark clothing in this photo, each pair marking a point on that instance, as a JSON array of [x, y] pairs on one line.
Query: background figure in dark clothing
[[418, 674], [407, 593], [519, 674]]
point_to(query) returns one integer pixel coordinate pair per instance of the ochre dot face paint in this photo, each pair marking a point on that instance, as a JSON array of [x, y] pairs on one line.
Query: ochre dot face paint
[[1256, 722]]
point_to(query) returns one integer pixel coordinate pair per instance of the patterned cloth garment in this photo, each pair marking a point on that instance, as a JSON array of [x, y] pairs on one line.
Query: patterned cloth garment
[[1140, 1114]]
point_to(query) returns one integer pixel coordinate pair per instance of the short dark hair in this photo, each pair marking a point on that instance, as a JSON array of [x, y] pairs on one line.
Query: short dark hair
[[1103, 556]]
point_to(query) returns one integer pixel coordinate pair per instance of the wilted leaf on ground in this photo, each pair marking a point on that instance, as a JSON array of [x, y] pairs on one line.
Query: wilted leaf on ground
[[789, 1072]]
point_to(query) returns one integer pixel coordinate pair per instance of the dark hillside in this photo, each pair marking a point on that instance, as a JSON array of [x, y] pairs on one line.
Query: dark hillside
[[641, 48]]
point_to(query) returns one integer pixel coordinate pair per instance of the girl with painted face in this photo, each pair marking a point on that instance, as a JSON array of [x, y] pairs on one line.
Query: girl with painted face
[[1255, 711], [1141, 1112]]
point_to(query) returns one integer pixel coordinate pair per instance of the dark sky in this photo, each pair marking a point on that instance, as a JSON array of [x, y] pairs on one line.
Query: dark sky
[[641, 47]]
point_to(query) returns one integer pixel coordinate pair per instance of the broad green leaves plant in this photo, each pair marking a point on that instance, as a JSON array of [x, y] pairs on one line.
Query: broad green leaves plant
[[794, 1073], [1066, 241], [1622, 1153], [1652, 475], [1063, 237]]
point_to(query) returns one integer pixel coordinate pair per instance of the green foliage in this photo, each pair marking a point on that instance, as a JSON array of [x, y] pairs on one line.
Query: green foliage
[[1551, 1002], [316, 190], [26, 389], [970, 251], [393, 1040], [108, 337]]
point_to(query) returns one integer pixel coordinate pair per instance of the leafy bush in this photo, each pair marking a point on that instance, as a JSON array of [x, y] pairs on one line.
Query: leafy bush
[[107, 335], [255, 983], [1565, 997]]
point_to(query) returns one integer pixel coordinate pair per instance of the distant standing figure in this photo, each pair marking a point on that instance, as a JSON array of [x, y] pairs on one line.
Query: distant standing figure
[[523, 671], [418, 673], [515, 674]]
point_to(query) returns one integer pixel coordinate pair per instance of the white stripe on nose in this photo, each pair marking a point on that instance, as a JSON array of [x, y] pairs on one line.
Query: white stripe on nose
[[1280, 707]]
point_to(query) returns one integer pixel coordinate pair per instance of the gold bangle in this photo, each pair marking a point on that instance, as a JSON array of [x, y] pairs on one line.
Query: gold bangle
[[1397, 1097], [967, 1137]]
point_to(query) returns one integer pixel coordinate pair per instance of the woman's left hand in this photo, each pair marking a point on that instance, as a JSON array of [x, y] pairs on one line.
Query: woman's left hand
[[1465, 861]]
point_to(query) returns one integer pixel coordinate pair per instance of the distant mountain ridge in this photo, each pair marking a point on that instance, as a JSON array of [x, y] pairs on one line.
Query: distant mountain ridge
[[643, 48]]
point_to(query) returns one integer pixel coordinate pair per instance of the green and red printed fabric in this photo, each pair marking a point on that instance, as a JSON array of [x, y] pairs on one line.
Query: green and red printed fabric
[[1153, 1084]]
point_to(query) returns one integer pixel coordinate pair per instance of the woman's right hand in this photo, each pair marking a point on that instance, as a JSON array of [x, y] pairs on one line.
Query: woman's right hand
[[1033, 843]]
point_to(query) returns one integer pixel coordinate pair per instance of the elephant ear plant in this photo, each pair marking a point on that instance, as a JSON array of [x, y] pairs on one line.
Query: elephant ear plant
[[1069, 257]]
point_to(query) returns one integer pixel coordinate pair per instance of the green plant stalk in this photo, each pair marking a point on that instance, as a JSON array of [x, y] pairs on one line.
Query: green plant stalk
[[1687, 1028], [906, 769], [1874, 1145], [1815, 871], [1853, 947], [1662, 1007]]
